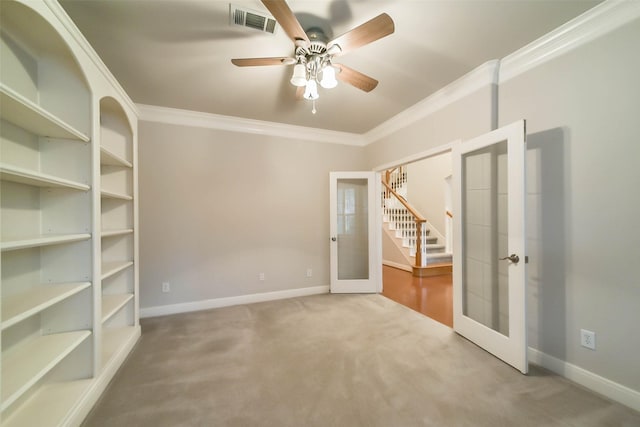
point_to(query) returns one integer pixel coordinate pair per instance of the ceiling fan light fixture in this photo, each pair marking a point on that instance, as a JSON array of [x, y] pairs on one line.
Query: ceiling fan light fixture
[[313, 52], [328, 77], [311, 91], [299, 77]]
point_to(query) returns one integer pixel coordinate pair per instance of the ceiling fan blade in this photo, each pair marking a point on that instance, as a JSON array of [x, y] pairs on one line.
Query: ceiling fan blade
[[253, 62], [287, 20], [377, 28], [356, 78]]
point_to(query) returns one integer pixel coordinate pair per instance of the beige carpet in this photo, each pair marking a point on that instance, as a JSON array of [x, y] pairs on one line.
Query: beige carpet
[[332, 360]]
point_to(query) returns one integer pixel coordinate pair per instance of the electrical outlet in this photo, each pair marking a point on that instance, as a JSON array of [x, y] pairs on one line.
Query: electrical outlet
[[261, 277], [309, 272], [588, 339], [166, 287]]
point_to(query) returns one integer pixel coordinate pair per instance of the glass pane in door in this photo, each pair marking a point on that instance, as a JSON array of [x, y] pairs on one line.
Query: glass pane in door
[[485, 280], [352, 229]]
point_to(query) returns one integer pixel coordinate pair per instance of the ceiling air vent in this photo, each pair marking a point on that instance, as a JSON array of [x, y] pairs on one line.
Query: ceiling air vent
[[252, 19]]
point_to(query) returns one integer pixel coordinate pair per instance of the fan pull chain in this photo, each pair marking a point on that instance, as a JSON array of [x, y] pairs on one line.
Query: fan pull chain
[[313, 110]]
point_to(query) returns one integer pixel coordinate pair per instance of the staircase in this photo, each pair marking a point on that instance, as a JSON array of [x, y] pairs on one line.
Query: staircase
[[401, 225]]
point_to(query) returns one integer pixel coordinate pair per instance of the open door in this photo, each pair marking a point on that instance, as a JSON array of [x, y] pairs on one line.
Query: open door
[[354, 215], [489, 270]]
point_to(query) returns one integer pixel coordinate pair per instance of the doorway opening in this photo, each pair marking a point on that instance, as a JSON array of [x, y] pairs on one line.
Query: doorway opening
[[428, 191]]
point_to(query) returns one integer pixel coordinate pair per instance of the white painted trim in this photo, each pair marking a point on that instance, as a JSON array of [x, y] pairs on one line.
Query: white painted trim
[[588, 379], [397, 265], [175, 116], [594, 23], [377, 244], [163, 310], [482, 76], [431, 152]]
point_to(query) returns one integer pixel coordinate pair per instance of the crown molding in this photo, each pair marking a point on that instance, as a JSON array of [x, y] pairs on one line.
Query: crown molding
[[151, 113], [77, 35], [601, 19], [482, 76], [594, 23]]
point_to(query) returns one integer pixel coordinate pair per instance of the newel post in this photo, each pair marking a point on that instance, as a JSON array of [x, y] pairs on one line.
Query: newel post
[[418, 243], [387, 177]]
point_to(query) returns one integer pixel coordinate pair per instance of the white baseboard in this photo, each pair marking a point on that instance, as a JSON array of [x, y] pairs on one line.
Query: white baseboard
[[594, 382], [163, 310], [397, 265]]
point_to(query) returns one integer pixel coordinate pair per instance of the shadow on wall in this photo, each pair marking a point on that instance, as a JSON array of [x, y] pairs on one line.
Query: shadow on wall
[[546, 240]]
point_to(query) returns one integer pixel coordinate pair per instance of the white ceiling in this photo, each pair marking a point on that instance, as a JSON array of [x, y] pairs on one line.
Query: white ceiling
[[177, 53]]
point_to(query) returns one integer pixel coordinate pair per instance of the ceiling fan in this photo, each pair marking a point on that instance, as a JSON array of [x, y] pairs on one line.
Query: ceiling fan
[[314, 53]]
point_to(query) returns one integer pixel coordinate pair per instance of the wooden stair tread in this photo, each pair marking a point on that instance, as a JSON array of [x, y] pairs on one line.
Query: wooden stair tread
[[439, 264], [433, 269]]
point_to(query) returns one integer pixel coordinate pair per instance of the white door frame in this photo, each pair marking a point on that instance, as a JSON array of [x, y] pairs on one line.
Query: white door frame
[[512, 348], [374, 283], [432, 152]]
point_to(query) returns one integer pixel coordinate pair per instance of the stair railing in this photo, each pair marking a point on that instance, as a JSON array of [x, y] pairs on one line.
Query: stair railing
[[419, 219]]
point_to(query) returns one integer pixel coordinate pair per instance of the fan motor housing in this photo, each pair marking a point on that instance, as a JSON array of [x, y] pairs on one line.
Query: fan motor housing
[[318, 45]]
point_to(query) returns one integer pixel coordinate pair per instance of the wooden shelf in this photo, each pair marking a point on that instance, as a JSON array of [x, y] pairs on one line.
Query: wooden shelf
[[50, 405], [112, 233], [113, 195], [114, 339], [111, 159], [24, 113], [16, 308], [111, 268], [37, 179], [22, 367], [48, 240], [111, 304]]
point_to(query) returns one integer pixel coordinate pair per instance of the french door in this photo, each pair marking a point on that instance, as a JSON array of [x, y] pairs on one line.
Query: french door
[[489, 272], [356, 262]]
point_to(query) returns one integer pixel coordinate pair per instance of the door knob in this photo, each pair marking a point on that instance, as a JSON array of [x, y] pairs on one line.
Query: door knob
[[513, 258], [333, 239]]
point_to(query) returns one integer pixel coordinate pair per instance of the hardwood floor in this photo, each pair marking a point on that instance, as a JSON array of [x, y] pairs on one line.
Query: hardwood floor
[[431, 296]]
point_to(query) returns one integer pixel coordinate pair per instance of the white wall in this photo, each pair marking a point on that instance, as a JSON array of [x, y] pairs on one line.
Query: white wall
[[426, 188], [392, 254], [217, 208], [464, 118], [582, 112]]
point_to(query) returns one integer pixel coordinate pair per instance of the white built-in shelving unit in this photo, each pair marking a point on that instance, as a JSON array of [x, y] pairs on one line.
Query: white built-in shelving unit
[[117, 195], [68, 219]]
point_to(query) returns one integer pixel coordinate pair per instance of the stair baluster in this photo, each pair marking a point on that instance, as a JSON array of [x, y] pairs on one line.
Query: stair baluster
[[407, 220]]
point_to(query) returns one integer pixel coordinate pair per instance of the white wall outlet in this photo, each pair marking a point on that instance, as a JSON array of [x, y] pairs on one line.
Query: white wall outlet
[[261, 277], [588, 339], [309, 272], [166, 287]]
